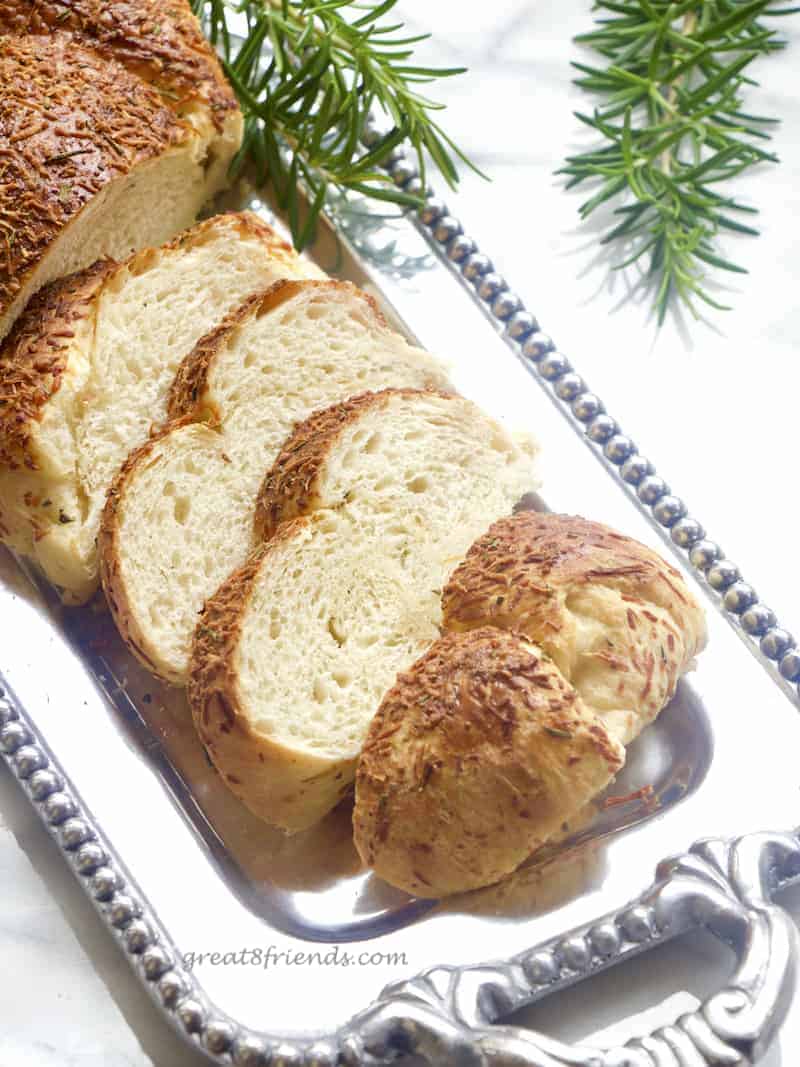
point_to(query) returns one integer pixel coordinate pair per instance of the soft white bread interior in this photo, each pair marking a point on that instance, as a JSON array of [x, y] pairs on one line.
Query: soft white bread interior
[[97, 163], [293, 654], [301, 346], [477, 755], [86, 373], [565, 640]]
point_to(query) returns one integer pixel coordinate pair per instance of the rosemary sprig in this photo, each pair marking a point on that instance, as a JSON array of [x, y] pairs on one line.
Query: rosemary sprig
[[674, 130], [308, 73]]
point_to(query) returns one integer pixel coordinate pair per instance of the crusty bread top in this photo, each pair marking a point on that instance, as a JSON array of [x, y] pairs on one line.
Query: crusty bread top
[[187, 395], [158, 40], [34, 356], [476, 756], [524, 564], [618, 620], [291, 485], [70, 121]]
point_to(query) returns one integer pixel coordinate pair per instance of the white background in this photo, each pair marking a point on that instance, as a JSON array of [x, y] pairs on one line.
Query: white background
[[714, 405]]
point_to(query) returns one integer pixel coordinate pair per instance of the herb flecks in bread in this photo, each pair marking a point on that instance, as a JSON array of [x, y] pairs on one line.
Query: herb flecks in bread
[[301, 481]]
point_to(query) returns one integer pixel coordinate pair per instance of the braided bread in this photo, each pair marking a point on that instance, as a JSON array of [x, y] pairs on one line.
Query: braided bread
[[565, 640]]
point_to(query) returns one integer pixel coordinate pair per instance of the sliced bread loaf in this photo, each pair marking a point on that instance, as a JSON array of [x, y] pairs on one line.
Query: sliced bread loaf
[[95, 162], [300, 346], [293, 654], [87, 370]]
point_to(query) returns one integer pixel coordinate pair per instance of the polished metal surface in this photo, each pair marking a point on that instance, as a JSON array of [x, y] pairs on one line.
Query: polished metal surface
[[177, 867]]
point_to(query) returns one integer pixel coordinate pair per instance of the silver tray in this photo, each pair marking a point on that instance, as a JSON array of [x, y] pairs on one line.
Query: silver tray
[[262, 949]]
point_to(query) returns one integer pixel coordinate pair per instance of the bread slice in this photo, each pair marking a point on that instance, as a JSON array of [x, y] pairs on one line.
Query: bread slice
[[87, 370], [293, 654], [301, 346], [477, 755], [617, 619], [96, 162]]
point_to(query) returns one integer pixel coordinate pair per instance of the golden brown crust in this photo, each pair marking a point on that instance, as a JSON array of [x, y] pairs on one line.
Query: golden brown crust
[[35, 354], [514, 575], [288, 789], [475, 757], [191, 381], [568, 550], [539, 574], [291, 487], [70, 122], [114, 586], [160, 41]]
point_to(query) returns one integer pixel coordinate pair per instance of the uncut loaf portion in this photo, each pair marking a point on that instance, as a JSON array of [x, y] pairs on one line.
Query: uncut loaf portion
[[179, 517], [159, 41], [563, 640], [293, 654], [87, 369], [104, 151], [479, 753]]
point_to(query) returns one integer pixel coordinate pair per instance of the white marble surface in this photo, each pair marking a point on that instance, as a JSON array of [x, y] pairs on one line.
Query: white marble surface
[[713, 404]]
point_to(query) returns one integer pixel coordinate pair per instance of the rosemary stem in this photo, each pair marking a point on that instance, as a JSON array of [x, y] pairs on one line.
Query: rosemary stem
[[308, 75], [688, 27], [299, 24]]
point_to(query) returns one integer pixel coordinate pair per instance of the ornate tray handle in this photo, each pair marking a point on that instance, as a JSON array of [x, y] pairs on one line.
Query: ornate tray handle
[[446, 1016]]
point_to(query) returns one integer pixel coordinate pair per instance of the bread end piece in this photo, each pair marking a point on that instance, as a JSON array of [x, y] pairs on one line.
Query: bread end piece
[[617, 619], [477, 755]]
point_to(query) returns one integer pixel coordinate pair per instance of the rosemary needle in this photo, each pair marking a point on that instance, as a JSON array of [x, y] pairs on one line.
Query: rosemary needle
[[308, 74], [674, 133]]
